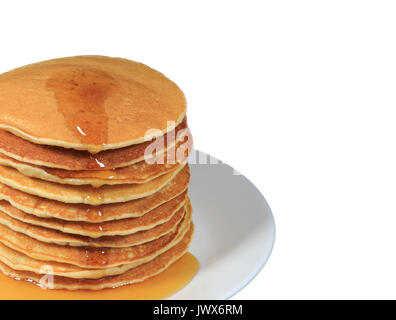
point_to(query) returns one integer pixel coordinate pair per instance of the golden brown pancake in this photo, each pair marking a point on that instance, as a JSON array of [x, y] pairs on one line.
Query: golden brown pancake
[[137, 274], [84, 194], [46, 208], [70, 159], [67, 239], [91, 103], [88, 257], [141, 172], [157, 216]]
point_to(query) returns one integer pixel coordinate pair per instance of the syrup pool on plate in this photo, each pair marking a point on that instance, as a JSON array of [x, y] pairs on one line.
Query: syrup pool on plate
[[161, 286]]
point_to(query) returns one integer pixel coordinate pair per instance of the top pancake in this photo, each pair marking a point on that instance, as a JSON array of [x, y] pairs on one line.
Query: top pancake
[[90, 103]]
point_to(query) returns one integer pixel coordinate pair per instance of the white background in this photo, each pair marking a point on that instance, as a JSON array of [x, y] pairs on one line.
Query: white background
[[299, 96]]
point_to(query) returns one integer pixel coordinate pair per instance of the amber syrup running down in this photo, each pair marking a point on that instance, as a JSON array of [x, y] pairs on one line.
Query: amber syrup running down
[[167, 283], [81, 96]]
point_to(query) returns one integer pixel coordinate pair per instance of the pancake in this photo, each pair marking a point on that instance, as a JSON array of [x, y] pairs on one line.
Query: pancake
[[157, 216], [137, 274], [67, 239], [70, 159], [90, 103], [92, 258], [141, 172], [84, 194], [46, 208]]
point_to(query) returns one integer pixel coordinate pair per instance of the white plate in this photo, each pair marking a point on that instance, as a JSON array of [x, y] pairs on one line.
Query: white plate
[[234, 230]]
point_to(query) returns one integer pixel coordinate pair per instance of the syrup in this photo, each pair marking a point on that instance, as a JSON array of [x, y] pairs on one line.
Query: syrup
[[81, 96], [94, 197], [165, 284], [94, 213]]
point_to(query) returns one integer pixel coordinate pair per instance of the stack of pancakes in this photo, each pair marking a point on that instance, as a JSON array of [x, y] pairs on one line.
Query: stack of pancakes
[[93, 173]]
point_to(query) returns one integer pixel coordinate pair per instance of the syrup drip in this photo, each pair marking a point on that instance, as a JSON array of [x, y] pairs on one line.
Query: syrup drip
[[94, 213], [161, 286], [81, 96], [96, 176], [94, 197]]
